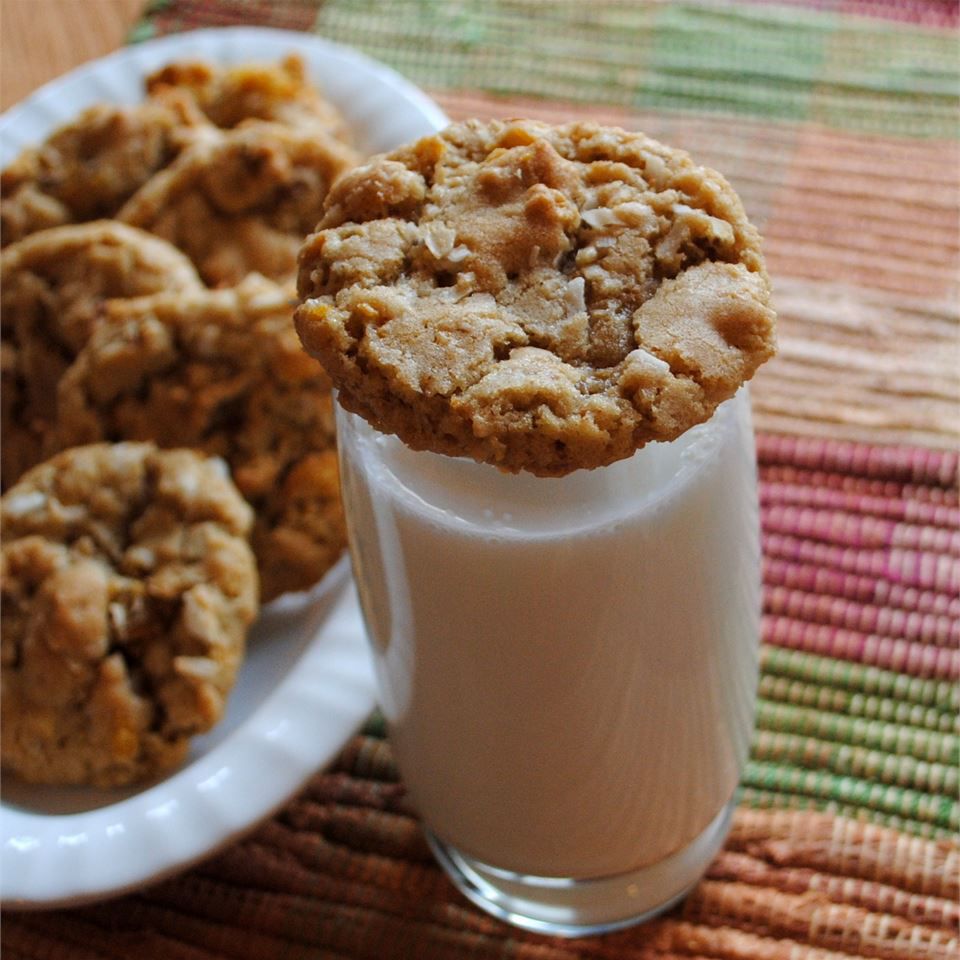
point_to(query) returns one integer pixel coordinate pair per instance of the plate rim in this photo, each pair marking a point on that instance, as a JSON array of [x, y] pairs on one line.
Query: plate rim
[[187, 819], [154, 809], [428, 107]]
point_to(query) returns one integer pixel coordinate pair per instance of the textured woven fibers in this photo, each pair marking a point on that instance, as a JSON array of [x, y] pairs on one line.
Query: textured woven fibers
[[859, 695], [344, 872], [857, 716]]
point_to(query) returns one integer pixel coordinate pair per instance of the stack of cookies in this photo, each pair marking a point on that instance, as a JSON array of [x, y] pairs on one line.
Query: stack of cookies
[[168, 449]]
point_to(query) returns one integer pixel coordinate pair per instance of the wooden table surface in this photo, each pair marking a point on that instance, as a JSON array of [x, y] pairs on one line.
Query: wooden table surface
[[40, 39]]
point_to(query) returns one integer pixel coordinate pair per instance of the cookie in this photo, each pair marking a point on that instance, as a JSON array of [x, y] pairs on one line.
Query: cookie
[[52, 286], [242, 201], [87, 169], [229, 96], [128, 587], [539, 298], [224, 372]]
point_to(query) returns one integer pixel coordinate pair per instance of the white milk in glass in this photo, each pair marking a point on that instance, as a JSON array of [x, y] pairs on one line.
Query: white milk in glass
[[567, 666]]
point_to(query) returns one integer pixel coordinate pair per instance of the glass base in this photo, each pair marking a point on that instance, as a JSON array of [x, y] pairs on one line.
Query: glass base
[[566, 907]]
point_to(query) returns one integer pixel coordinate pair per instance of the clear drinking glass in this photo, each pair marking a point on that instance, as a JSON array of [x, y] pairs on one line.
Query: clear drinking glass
[[567, 666]]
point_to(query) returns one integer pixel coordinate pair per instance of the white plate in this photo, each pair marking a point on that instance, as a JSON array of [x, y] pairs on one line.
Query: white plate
[[307, 682], [382, 108]]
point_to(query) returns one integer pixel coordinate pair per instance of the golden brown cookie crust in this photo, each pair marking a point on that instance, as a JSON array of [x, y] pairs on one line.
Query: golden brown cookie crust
[[222, 371], [228, 96], [242, 200], [540, 298], [127, 590], [52, 288], [88, 168]]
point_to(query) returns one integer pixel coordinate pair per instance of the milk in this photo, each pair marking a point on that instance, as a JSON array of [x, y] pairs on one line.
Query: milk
[[567, 666]]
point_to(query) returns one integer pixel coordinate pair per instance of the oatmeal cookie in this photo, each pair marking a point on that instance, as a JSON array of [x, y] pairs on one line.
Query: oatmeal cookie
[[242, 201], [52, 286], [223, 371], [229, 96], [128, 587], [539, 298], [88, 168]]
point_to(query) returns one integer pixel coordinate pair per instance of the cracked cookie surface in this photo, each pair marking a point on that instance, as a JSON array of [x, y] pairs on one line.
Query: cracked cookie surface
[[52, 288], [230, 95], [128, 587], [223, 371], [539, 298], [242, 200]]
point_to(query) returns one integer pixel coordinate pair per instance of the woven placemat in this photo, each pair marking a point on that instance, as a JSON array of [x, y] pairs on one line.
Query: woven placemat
[[837, 122], [858, 718]]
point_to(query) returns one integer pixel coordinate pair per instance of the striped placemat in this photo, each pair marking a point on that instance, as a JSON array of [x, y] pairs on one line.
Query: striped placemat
[[837, 122], [844, 841], [858, 709]]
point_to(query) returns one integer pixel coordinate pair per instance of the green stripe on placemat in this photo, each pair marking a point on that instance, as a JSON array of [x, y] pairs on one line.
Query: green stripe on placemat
[[777, 61], [855, 740], [765, 60], [839, 728], [758, 798], [867, 682], [840, 758]]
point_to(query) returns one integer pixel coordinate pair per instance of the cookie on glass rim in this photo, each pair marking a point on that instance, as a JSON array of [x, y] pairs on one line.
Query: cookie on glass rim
[[535, 297]]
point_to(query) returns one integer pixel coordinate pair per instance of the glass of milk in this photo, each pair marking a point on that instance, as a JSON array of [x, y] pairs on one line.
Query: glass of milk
[[567, 666]]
